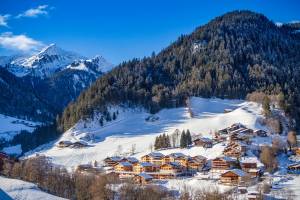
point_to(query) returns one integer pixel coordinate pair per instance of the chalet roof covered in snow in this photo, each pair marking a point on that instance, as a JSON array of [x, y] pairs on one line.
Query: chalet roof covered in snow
[[156, 155], [145, 176], [146, 164], [125, 164], [238, 172], [177, 155]]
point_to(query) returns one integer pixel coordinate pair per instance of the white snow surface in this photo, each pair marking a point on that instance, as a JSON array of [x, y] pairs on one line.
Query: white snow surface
[[23, 190], [130, 128], [10, 126]]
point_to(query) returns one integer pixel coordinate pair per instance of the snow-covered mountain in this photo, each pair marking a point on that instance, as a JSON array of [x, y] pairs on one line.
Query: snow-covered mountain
[[39, 86], [53, 59]]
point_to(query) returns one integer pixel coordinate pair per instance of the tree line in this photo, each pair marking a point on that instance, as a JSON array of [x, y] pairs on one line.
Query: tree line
[[164, 141]]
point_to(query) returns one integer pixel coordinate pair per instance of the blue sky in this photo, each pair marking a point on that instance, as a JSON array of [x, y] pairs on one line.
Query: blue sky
[[117, 29]]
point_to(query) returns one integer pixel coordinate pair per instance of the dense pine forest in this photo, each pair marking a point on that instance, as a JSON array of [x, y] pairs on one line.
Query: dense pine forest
[[231, 56]]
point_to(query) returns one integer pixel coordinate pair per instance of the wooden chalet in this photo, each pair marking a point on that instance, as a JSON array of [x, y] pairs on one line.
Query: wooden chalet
[[123, 167], [294, 167], [235, 149], [249, 165], [235, 127], [260, 133], [63, 144], [179, 158], [221, 164], [172, 168], [131, 160], [233, 177], [203, 142], [232, 152], [143, 178], [154, 158], [112, 161], [196, 163], [144, 167]]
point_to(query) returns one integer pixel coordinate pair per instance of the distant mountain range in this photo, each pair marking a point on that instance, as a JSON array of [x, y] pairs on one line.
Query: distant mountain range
[[39, 86]]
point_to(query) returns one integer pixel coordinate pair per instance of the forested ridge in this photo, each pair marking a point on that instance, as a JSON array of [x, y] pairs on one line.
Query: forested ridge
[[231, 56]]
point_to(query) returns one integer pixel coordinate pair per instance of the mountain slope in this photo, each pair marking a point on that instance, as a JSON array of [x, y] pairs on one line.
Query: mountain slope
[[38, 87], [229, 57]]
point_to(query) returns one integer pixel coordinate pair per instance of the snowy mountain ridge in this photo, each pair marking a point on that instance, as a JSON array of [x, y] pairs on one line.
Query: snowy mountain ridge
[[52, 59]]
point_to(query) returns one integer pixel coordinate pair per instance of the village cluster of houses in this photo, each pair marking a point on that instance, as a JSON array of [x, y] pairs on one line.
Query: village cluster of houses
[[233, 167], [156, 165]]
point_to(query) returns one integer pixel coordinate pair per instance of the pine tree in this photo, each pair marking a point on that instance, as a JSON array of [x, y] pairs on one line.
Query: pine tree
[[168, 143], [101, 121], [183, 143], [156, 143], [114, 116], [188, 137]]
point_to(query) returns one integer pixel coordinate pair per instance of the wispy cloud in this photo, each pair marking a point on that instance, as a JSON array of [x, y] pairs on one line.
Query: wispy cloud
[[3, 20], [34, 12], [19, 42]]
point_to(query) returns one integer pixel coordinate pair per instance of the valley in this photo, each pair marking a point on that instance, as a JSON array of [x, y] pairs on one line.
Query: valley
[[213, 115]]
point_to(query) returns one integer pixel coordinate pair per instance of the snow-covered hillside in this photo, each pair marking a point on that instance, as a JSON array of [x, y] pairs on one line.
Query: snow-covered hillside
[[10, 126], [130, 128], [22, 190]]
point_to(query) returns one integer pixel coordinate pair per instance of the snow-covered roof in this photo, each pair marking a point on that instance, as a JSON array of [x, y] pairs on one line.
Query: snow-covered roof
[[125, 164], [228, 159], [175, 164], [146, 164], [145, 176], [238, 172], [115, 158], [156, 154], [204, 139], [251, 159], [132, 159], [177, 155]]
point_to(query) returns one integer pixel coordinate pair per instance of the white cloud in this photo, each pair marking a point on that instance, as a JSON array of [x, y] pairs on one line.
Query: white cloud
[[19, 42], [3, 20], [35, 12]]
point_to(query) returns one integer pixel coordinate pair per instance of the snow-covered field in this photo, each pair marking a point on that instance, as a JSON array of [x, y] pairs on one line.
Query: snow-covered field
[[22, 190], [10, 126], [130, 128]]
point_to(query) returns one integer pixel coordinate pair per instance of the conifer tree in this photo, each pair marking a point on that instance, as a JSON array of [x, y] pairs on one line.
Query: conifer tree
[[183, 143], [188, 137]]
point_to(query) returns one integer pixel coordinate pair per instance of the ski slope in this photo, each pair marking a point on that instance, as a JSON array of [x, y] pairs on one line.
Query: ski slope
[[23, 190], [130, 128]]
